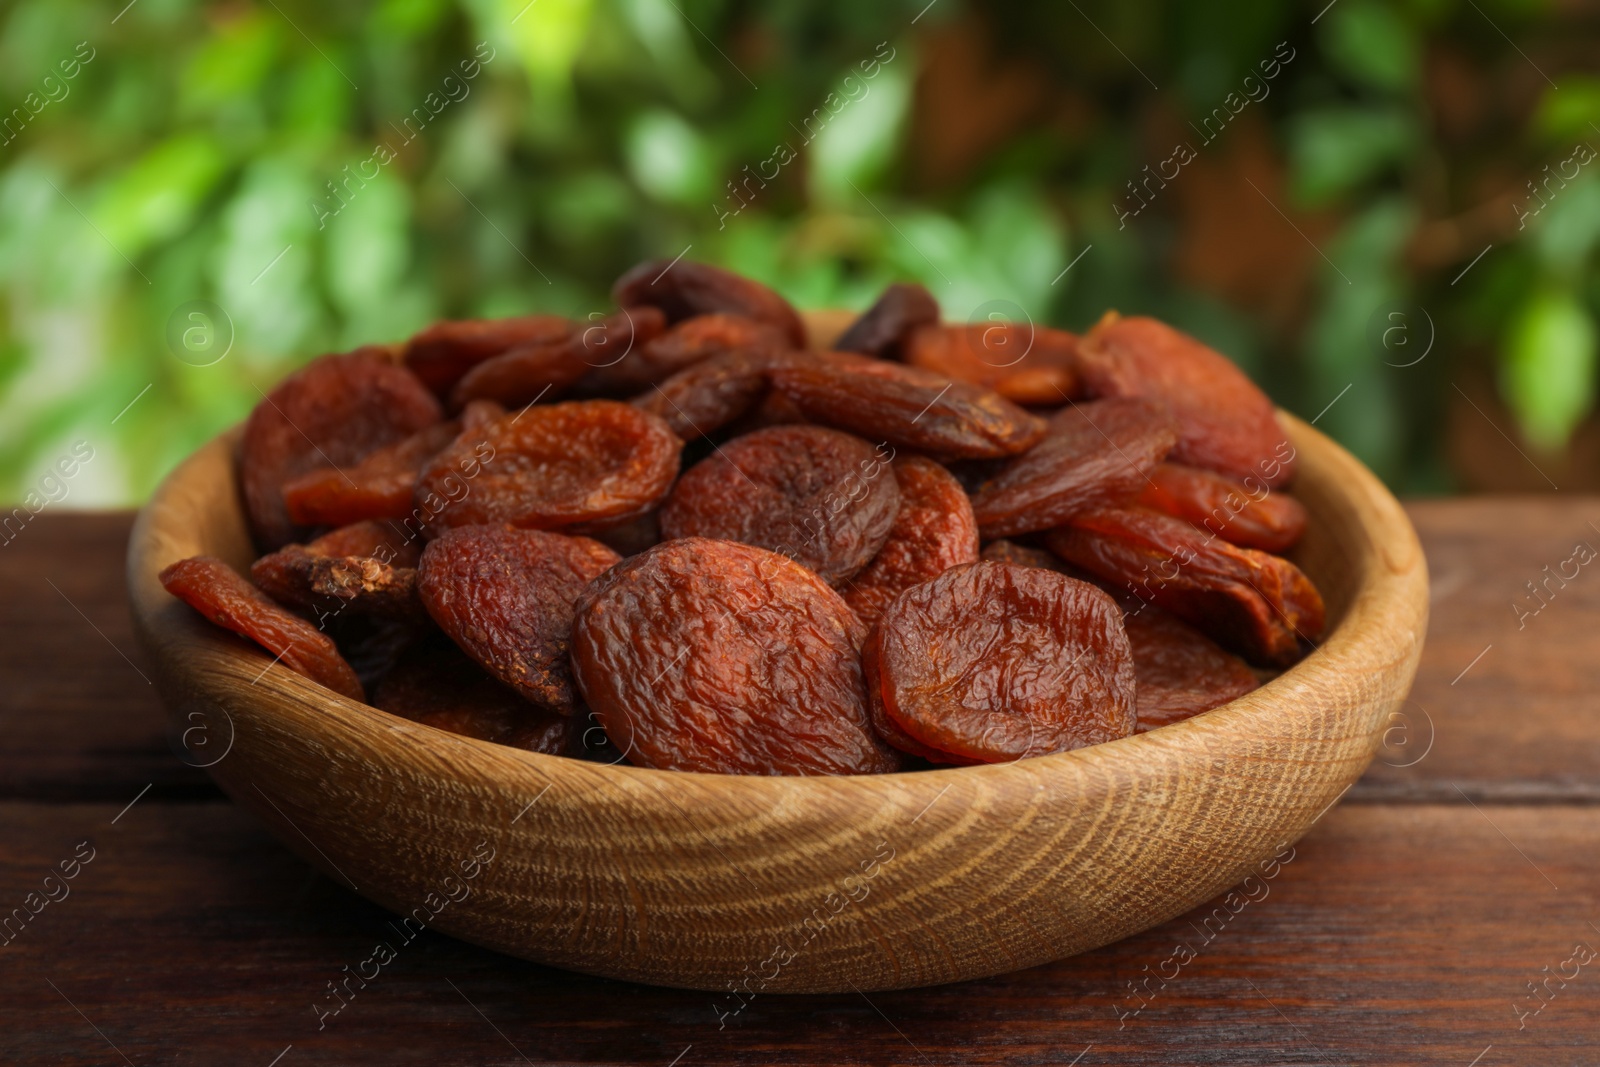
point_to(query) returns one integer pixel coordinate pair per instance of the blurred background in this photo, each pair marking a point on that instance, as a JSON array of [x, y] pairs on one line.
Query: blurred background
[[1385, 212]]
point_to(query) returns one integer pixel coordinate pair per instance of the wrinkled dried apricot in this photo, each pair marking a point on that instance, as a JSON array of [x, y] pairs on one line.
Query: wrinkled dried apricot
[[882, 329], [684, 289], [545, 371], [505, 596], [1023, 556], [703, 655], [821, 497], [445, 351], [222, 595], [285, 575], [905, 406], [367, 586], [1093, 454], [709, 395], [575, 465], [439, 686], [1225, 423], [378, 487], [1179, 671], [882, 724], [335, 411], [684, 345], [995, 662], [1246, 513], [1026, 364], [933, 531], [1253, 603]]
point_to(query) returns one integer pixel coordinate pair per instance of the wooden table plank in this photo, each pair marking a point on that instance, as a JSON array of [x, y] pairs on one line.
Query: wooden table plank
[[1391, 936], [1509, 701], [79, 716]]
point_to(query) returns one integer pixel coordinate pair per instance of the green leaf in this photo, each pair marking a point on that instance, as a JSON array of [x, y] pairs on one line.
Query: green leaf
[[668, 158], [1569, 110], [1547, 366], [1371, 44], [1332, 150], [855, 128], [157, 196]]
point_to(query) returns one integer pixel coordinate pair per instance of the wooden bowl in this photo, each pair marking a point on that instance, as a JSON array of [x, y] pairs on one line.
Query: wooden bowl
[[793, 884]]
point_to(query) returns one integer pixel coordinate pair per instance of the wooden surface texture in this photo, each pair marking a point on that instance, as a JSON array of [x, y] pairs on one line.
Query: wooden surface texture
[[1406, 928]]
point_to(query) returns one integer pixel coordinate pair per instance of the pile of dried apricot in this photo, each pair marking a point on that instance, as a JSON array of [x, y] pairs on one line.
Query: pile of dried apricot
[[682, 538]]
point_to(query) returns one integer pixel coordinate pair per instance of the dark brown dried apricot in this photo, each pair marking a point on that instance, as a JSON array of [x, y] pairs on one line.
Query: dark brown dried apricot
[[505, 596], [378, 487], [709, 395], [1225, 422], [285, 575], [222, 595], [684, 289], [439, 686], [367, 586], [1026, 364], [905, 406], [445, 351], [821, 497], [575, 465], [1092, 455], [995, 662], [684, 345], [1003, 551], [1180, 672], [546, 370], [933, 531], [1254, 517], [1251, 602], [882, 329], [335, 411], [703, 655]]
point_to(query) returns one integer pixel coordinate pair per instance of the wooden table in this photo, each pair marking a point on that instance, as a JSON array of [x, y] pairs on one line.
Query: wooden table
[[1409, 928]]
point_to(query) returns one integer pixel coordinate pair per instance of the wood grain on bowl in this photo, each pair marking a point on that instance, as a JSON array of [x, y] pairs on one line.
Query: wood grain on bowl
[[798, 884]]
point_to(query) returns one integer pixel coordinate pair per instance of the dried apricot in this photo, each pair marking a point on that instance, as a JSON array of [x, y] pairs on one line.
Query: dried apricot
[[709, 395], [439, 686], [908, 407], [574, 465], [222, 595], [544, 371], [1024, 363], [821, 497], [1251, 516], [367, 586], [285, 575], [995, 662], [684, 289], [882, 329], [379, 487], [1253, 603], [445, 351], [1180, 672], [684, 345], [335, 411], [703, 655], [933, 531], [1225, 423], [1023, 556], [1093, 454], [882, 724], [505, 596]]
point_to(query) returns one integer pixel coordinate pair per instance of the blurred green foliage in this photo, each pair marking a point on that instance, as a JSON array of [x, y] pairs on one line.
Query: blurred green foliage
[[236, 153]]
